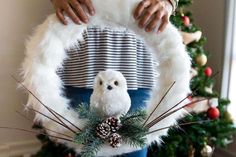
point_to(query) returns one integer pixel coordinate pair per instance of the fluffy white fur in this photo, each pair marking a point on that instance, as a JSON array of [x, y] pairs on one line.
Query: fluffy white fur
[[45, 53]]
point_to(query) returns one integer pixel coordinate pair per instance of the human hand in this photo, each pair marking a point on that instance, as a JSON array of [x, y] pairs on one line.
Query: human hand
[[149, 12], [76, 9]]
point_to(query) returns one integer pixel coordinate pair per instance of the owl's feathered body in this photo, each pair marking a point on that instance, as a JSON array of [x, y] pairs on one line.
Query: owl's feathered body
[[110, 96]]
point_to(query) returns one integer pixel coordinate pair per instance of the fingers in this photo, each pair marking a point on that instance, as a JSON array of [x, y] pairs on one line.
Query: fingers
[[79, 11], [69, 11], [61, 16], [153, 24], [89, 6], [148, 14], [75, 9], [165, 21], [139, 10]]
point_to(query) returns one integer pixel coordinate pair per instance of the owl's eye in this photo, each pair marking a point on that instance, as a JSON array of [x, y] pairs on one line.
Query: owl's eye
[[100, 82], [116, 83]]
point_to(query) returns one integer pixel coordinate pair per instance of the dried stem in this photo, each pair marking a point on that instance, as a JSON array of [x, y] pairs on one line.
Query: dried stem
[[159, 103], [65, 126], [162, 116], [54, 113], [158, 119], [35, 132], [182, 124], [43, 127], [170, 109]]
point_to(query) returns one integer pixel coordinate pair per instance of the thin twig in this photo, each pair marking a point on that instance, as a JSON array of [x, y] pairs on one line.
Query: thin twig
[[182, 124], [49, 109], [170, 113], [42, 126], [214, 75], [162, 116], [35, 132], [159, 103], [65, 126], [170, 109]]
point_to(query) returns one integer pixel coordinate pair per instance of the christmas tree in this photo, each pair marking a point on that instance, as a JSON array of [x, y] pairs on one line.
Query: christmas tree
[[197, 139], [215, 127]]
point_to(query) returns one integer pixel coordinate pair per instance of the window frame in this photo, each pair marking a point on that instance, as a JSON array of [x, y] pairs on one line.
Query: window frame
[[230, 39]]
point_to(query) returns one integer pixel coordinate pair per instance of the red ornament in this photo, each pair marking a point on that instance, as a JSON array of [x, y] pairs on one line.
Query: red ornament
[[190, 98], [186, 20], [69, 155], [213, 113], [208, 71]]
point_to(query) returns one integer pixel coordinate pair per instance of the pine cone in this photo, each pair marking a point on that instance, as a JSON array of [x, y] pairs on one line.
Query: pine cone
[[115, 140], [103, 130], [114, 123]]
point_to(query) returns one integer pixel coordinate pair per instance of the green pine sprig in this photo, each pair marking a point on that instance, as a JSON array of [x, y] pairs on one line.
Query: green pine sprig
[[132, 130]]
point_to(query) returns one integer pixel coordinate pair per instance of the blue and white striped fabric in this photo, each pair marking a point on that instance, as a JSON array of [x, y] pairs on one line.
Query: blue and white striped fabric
[[108, 49]]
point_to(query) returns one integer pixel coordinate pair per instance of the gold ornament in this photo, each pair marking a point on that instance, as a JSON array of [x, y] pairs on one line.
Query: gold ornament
[[201, 59], [207, 151], [229, 117], [190, 37]]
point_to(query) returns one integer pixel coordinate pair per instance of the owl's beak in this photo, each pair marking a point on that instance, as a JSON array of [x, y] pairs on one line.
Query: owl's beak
[[109, 87]]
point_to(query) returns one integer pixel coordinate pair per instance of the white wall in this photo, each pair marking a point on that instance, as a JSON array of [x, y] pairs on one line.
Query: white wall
[[209, 15], [18, 17]]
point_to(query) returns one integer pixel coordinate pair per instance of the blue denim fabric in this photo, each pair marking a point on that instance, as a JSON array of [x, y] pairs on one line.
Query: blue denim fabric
[[138, 100]]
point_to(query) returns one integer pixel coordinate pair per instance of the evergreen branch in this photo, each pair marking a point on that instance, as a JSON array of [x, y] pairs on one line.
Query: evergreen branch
[[137, 116], [133, 133], [91, 148], [84, 112]]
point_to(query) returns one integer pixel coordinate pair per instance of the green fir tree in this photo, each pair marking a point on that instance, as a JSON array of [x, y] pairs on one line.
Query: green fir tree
[[190, 140]]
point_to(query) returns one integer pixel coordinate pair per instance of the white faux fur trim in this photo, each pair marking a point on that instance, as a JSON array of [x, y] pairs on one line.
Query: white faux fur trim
[[45, 53]]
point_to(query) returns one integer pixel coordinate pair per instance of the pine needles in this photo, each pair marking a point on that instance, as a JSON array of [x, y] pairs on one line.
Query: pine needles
[[131, 130]]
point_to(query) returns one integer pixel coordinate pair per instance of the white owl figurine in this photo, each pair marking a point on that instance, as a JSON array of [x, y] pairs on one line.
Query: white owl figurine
[[110, 96]]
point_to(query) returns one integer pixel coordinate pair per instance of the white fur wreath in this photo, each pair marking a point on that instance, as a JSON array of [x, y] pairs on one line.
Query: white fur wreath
[[45, 53]]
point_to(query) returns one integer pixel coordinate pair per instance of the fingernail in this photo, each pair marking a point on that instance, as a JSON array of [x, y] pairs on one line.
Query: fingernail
[[147, 29], [86, 20], [158, 32], [78, 22], [92, 12], [140, 25]]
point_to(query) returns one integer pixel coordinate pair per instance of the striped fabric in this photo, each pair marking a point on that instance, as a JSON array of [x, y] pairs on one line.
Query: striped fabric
[[108, 49]]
